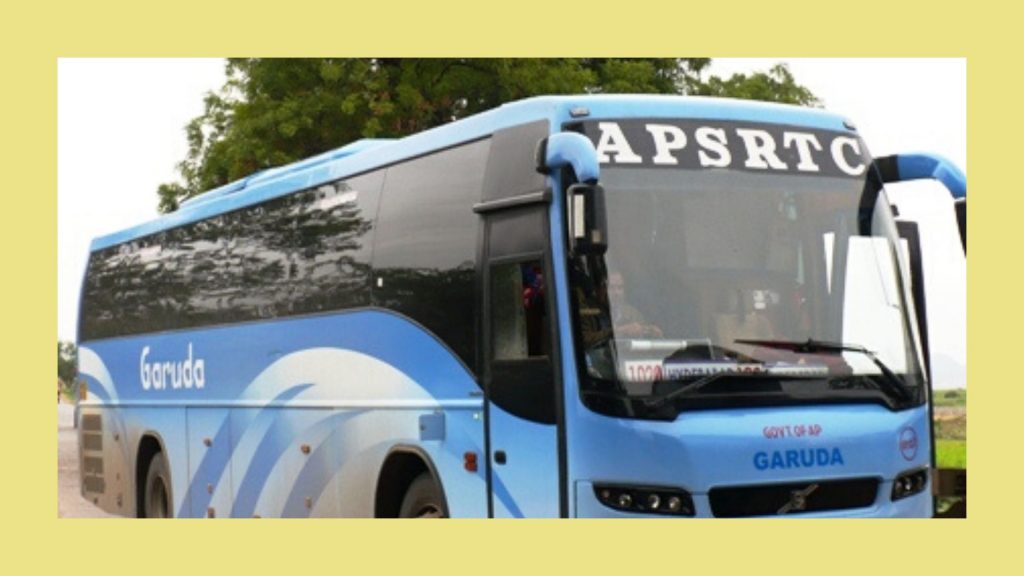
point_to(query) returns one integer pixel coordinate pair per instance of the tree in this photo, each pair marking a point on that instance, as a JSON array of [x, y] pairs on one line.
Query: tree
[[776, 85], [274, 111], [67, 362]]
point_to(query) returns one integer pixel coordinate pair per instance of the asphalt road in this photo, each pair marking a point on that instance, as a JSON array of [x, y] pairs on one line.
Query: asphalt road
[[70, 503]]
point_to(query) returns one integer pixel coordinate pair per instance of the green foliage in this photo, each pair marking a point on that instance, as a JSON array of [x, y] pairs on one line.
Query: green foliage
[[275, 111], [776, 85], [67, 362]]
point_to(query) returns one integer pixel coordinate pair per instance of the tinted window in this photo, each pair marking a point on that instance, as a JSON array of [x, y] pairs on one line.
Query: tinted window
[[425, 254], [304, 253]]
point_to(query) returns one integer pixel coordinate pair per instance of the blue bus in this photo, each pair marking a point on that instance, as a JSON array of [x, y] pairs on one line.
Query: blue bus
[[572, 306]]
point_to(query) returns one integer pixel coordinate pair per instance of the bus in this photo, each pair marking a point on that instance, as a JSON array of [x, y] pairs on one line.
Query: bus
[[567, 306]]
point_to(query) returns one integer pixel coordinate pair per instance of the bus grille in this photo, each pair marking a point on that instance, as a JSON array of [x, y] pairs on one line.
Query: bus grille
[[794, 498]]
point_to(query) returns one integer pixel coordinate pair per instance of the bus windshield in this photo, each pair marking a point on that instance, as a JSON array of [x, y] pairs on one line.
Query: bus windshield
[[743, 276]]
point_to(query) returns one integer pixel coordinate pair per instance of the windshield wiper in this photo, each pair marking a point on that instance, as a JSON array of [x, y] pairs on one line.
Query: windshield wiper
[[658, 401], [889, 381]]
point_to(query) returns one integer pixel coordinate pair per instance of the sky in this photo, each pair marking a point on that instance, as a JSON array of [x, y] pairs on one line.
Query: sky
[[121, 133]]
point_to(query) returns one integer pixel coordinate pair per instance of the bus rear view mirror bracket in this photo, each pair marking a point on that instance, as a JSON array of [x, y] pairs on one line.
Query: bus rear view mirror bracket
[[907, 167], [569, 149]]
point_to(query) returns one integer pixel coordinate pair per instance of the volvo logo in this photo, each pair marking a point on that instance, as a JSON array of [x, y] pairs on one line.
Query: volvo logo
[[798, 500]]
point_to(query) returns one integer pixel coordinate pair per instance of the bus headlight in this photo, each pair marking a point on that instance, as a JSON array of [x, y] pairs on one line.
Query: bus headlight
[[645, 500], [909, 483]]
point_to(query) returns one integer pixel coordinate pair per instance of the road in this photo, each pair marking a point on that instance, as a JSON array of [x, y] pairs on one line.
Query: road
[[70, 503]]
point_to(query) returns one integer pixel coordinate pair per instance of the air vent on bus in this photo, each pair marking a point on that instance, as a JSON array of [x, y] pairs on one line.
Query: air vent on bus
[[91, 439]]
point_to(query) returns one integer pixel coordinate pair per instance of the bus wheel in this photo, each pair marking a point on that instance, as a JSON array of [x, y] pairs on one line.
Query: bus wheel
[[423, 499], [157, 498]]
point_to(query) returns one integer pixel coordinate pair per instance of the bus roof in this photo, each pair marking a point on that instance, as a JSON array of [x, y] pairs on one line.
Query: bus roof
[[353, 158]]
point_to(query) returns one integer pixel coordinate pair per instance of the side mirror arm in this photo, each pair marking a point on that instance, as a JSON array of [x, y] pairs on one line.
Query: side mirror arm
[[906, 167], [569, 149]]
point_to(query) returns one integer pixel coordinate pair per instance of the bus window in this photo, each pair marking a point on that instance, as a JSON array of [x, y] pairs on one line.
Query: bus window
[[520, 322]]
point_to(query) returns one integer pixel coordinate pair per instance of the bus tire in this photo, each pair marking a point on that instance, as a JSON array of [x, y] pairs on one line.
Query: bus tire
[[156, 498], [423, 499]]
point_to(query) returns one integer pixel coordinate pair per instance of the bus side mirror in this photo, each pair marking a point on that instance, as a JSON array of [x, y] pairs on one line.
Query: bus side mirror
[[588, 224], [906, 167], [588, 219], [961, 219]]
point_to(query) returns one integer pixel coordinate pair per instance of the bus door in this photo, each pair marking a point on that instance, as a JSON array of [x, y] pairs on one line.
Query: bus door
[[520, 377]]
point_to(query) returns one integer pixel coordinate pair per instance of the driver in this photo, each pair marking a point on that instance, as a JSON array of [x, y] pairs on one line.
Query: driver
[[627, 321]]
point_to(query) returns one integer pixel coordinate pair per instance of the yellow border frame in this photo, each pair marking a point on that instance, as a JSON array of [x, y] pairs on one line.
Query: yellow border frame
[[35, 35]]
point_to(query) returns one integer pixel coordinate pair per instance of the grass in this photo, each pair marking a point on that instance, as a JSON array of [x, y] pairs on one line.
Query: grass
[[951, 428], [951, 453]]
